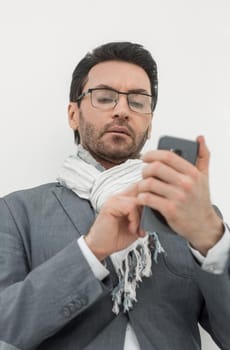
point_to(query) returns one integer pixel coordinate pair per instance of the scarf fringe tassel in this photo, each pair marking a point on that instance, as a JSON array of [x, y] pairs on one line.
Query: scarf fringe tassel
[[136, 265]]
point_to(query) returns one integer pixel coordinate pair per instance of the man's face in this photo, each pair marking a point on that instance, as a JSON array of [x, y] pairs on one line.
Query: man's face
[[114, 135]]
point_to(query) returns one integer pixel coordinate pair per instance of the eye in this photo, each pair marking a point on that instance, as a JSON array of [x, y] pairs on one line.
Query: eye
[[136, 104], [104, 96], [104, 99]]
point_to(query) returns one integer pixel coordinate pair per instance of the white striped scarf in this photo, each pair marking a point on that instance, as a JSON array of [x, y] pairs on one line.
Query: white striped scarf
[[89, 180]]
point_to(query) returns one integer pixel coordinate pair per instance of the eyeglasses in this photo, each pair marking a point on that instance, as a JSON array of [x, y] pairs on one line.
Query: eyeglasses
[[106, 99]]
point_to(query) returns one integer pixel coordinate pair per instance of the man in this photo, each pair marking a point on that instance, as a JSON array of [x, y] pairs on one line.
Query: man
[[77, 270]]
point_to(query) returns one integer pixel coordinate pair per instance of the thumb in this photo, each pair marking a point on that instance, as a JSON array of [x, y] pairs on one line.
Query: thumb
[[202, 162]]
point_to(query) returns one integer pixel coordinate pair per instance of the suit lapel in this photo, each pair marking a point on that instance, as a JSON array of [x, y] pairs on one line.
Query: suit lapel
[[82, 216], [78, 210]]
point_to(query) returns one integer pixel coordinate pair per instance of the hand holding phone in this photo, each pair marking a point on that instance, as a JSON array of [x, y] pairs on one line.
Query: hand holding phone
[[153, 220]]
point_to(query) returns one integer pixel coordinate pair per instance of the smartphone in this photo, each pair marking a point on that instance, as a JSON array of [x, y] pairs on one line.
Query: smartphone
[[153, 220], [185, 148]]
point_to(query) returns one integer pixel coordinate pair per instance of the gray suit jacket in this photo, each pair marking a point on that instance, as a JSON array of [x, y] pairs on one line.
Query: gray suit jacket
[[50, 298]]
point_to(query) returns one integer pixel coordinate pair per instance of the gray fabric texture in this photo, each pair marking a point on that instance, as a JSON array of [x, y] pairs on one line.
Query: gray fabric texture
[[50, 299], [5, 346]]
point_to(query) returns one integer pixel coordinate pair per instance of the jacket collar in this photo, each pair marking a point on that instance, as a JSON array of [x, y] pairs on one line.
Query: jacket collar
[[78, 210], [82, 216]]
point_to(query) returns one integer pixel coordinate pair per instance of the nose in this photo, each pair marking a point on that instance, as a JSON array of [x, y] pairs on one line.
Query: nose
[[121, 110]]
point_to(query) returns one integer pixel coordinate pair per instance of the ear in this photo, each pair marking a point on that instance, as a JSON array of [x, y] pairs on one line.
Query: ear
[[73, 115]]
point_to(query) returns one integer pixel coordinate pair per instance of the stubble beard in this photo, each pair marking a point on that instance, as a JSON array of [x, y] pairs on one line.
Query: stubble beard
[[115, 151]]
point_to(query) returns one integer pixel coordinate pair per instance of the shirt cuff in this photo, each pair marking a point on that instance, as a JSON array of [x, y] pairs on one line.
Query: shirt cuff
[[99, 270], [217, 257]]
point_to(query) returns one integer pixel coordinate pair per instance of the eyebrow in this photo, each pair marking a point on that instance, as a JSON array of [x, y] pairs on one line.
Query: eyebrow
[[132, 91]]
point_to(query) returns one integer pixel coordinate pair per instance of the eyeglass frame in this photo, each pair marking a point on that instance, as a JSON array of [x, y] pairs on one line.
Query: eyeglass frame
[[89, 91]]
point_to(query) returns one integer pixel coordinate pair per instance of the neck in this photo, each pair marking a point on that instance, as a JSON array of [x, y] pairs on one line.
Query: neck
[[110, 163], [101, 160], [107, 163]]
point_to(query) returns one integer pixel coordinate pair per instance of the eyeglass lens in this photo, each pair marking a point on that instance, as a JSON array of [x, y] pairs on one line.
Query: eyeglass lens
[[107, 99]]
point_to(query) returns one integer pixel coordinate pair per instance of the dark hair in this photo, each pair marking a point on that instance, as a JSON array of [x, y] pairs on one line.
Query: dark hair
[[119, 51]]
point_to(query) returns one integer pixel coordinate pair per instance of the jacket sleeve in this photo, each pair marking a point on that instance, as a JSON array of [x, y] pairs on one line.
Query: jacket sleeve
[[215, 316], [36, 304]]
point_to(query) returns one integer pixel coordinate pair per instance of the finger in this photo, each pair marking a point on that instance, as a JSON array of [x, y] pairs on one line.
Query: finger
[[126, 207], [133, 214], [133, 211], [160, 171], [153, 201], [167, 175], [154, 185], [203, 156], [169, 158]]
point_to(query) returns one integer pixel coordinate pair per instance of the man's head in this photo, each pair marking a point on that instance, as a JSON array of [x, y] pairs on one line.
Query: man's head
[[96, 114]]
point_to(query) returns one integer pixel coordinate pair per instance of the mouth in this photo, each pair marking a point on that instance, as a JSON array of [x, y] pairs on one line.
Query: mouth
[[119, 130]]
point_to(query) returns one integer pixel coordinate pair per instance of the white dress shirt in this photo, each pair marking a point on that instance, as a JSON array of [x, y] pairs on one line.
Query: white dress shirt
[[214, 262]]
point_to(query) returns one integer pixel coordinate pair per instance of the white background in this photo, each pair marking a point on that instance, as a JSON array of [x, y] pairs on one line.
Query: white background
[[42, 41]]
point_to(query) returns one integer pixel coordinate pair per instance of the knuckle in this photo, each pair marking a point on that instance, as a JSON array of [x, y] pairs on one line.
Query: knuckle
[[181, 197], [149, 170], [156, 167], [195, 174], [168, 156], [150, 182], [170, 211], [186, 184], [145, 198]]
